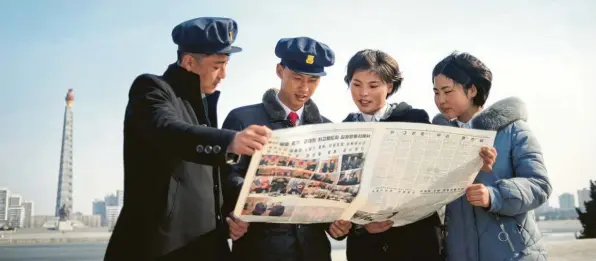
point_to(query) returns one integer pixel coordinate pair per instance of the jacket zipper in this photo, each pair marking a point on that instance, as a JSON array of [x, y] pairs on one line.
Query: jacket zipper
[[504, 236]]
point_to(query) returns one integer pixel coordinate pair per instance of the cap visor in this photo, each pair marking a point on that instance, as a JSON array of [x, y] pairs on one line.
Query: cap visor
[[308, 73], [230, 49]]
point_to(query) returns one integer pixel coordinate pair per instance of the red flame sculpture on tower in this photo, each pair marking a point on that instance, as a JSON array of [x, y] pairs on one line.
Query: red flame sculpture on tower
[[69, 97]]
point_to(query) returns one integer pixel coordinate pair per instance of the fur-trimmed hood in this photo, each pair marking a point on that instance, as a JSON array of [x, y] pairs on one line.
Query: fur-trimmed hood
[[500, 114], [276, 112]]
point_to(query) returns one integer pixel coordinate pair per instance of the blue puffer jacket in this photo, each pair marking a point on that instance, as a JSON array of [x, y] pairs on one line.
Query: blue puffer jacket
[[517, 185]]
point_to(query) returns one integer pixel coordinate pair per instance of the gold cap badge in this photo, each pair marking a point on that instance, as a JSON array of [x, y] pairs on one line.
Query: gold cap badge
[[310, 59]]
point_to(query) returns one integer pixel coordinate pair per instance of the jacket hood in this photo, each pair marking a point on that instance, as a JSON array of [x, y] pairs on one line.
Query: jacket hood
[[495, 117]]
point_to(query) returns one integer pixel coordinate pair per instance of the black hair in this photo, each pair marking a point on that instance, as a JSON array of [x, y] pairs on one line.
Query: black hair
[[467, 70], [376, 61]]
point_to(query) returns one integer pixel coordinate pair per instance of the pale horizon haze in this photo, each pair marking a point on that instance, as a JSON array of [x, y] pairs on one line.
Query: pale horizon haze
[[540, 51]]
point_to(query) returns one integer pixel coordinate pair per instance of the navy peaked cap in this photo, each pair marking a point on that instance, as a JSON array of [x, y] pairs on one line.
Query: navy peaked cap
[[206, 35], [305, 55]]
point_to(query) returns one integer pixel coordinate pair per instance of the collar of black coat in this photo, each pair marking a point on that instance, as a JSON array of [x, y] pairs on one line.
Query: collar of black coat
[[276, 112], [187, 84], [395, 111], [495, 117]]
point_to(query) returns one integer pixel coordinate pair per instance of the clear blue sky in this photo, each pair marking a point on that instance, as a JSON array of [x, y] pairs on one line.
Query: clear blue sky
[[540, 51]]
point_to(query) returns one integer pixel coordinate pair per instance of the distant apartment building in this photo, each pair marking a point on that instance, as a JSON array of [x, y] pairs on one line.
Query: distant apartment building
[[566, 201], [109, 208], [89, 220], [583, 195], [120, 196], [544, 208], [28, 214], [111, 200], [99, 209], [41, 220], [4, 193], [14, 200], [16, 217], [112, 213]]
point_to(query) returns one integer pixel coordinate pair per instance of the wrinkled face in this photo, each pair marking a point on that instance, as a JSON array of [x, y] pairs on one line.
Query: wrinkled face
[[369, 92], [211, 69], [451, 98], [296, 88]]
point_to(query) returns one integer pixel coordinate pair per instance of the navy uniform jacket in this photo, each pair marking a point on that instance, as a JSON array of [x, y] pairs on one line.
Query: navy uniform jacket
[[265, 241], [172, 200], [420, 240]]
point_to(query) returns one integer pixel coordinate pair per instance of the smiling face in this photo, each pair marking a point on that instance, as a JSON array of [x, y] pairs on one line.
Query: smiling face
[[372, 76], [296, 89], [450, 97], [369, 92]]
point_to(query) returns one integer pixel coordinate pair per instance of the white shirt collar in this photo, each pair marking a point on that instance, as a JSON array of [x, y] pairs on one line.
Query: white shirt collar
[[377, 116], [465, 125], [288, 110]]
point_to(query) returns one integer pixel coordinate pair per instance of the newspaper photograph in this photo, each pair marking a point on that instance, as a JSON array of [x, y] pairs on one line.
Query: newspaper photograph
[[362, 172]]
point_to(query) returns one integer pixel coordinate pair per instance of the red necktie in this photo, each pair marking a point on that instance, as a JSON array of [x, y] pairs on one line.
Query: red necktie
[[293, 117]]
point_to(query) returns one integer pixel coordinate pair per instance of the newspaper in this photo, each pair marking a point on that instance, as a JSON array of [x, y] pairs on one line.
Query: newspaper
[[362, 172]]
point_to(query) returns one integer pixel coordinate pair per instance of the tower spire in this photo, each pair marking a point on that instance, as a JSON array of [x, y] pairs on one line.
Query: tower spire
[[64, 194]]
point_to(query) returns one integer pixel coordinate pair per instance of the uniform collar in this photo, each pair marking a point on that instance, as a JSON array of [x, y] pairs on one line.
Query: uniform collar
[[288, 110], [466, 125], [377, 116], [276, 112], [185, 83]]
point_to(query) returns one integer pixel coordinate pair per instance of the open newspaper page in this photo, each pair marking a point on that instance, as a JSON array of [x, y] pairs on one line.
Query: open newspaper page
[[307, 174], [419, 169]]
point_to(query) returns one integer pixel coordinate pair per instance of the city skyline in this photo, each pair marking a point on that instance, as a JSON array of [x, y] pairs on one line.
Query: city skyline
[[27, 215], [577, 199], [118, 196], [541, 52]]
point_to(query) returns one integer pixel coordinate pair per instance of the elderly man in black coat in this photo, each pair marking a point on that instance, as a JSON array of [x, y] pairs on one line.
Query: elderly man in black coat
[[302, 64], [173, 152]]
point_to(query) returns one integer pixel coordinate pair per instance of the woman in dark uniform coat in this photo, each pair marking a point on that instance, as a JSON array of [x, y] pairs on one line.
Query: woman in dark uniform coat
[[372, 77]]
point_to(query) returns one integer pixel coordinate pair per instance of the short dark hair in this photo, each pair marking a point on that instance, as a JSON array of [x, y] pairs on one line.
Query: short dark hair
[[376, 61], [467, 70]]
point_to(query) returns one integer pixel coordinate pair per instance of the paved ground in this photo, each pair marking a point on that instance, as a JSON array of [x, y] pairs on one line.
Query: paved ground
[[566, 250], [53, 246], [584, 249]]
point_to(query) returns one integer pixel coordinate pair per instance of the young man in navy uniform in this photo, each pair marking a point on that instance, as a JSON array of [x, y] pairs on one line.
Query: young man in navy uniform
[[173, 152], [303, 61]]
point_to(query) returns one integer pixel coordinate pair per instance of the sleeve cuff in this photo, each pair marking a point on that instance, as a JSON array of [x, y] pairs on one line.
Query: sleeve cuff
[[495, 199], [232, 158], [359, 229]]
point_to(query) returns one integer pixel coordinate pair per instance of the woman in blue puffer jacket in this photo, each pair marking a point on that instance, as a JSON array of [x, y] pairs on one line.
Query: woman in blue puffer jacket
[[494, 221]]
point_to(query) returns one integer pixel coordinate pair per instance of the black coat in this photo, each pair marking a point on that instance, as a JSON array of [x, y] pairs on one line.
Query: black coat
[[266, 241], [418, 241], [172, 150]]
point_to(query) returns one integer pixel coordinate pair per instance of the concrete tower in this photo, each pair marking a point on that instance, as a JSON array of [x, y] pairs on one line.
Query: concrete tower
[[64, 195]]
